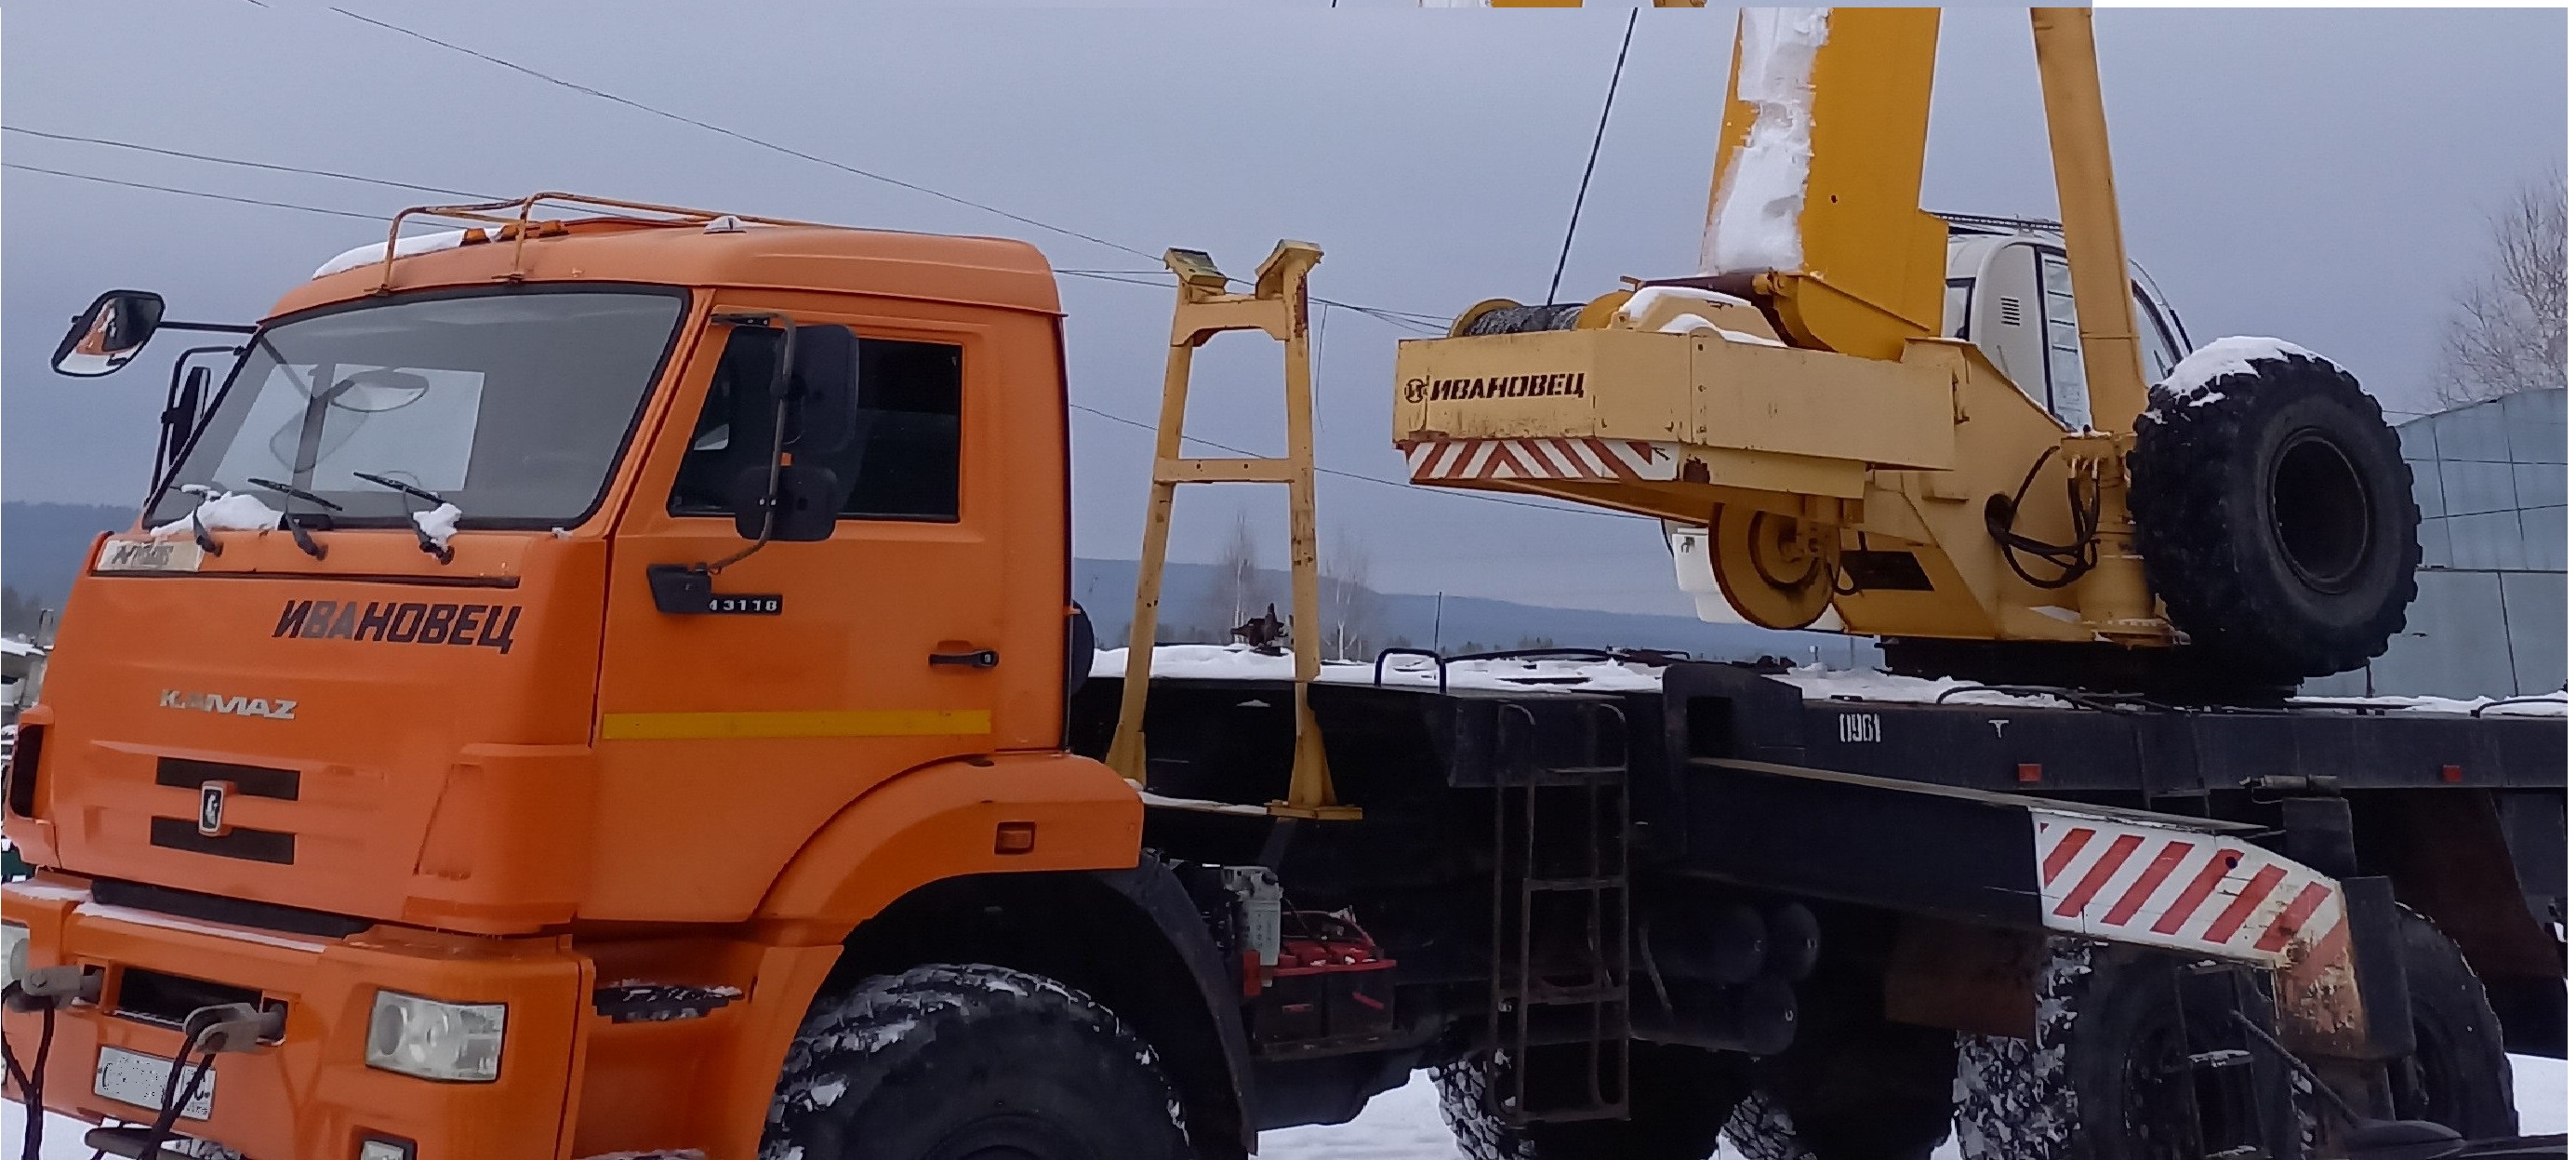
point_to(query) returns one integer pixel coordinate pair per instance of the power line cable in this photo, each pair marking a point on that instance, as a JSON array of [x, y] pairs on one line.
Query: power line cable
[[112, 143], [1394, 317], [1400, 318], [1598, 131], [367, 217], [747, 138], [1112, 416]]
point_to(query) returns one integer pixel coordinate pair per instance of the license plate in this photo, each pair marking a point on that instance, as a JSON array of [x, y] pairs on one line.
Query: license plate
[[131, 1077], [151, 556]]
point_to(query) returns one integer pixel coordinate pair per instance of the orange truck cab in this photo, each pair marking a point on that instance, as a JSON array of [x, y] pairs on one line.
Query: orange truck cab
[[519, 685]]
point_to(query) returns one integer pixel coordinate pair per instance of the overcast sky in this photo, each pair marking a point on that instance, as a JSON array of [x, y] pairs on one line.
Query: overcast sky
[[2316, 175]]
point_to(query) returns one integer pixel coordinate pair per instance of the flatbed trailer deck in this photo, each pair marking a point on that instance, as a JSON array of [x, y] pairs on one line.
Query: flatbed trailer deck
[[1919, 821]]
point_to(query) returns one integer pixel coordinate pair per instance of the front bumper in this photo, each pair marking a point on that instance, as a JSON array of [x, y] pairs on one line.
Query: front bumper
[[311, 1096]]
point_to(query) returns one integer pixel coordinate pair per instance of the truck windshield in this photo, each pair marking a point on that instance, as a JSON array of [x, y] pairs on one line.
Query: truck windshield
[[511, 405]]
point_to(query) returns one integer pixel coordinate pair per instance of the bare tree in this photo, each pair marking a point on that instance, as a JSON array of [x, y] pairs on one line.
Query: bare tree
[[1351, 607], [2508, 327], [1235, 595]]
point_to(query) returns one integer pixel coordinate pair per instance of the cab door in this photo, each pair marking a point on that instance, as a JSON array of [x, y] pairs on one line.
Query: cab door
[[726, 736]]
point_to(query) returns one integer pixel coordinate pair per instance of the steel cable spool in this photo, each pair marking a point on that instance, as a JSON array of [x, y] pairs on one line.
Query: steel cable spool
[[1511, 318]]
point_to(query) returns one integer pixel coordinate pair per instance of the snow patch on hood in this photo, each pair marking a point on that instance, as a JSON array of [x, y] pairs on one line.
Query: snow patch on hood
[[232, 511], [1753, 223], [437, 523], [427, 243]]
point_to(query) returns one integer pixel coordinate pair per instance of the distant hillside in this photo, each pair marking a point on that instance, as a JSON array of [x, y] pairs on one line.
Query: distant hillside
[[42, 544], [1107, 589]]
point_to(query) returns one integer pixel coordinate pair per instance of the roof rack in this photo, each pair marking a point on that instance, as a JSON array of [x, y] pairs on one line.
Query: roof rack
[[1977, 221], [516, 219]]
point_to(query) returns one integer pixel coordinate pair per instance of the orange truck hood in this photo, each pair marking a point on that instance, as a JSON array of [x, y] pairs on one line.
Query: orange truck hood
[[368, 719]]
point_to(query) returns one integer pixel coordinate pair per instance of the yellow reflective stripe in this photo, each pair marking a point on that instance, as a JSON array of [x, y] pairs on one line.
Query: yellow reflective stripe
[[817, 723]]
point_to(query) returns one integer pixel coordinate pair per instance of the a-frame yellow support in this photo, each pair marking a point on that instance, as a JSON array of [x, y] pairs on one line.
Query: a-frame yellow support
[[1277, 307]]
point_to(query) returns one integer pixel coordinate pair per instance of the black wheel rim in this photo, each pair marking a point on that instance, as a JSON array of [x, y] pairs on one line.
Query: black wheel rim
[[2320, 511]]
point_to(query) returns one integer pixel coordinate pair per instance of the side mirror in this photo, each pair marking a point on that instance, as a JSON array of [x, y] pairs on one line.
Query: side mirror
[[808, 502], [823, 390], [109, 334]]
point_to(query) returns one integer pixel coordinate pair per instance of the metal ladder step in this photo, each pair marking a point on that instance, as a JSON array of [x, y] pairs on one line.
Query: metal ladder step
[[1560, 898], [1580, 883]]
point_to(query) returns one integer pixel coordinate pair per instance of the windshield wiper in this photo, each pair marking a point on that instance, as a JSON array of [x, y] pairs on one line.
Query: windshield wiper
[[294, 526], [400, 486], [420, 535]]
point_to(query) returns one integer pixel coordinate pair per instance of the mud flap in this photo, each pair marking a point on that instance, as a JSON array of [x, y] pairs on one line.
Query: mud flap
[[2190, 886]]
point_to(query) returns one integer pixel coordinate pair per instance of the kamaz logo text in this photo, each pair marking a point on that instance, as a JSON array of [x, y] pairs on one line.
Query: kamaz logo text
[[236, 706], [471, 625]]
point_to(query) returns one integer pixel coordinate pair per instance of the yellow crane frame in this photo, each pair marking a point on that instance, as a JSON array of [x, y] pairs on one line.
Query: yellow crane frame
[[1829, 425]]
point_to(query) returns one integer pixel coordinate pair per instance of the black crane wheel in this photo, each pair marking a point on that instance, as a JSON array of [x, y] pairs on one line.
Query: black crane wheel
[[2276, 517]]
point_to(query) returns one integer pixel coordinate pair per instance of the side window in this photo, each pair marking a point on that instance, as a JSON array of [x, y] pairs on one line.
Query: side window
[[2156, 353], [2066, 397], [900, 465]]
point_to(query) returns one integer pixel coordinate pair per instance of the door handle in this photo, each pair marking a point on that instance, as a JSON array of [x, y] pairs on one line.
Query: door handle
[[982, 658]]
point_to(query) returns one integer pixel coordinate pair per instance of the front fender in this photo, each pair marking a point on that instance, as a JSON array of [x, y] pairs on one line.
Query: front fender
[[940, 821]]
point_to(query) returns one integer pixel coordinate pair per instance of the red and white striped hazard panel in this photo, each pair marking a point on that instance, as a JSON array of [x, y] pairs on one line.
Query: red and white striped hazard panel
[[2181, 889], [1536, 458]]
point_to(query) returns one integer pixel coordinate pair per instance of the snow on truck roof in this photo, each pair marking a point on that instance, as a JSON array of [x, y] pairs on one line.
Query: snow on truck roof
[[996, 272], [1207, 662]]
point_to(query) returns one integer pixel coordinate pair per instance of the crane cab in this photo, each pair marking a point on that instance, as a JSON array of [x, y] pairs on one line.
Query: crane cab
[[2008, 291]]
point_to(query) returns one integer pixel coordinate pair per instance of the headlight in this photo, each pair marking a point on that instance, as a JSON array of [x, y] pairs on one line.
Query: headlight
[[434, 1040], [13, 953]]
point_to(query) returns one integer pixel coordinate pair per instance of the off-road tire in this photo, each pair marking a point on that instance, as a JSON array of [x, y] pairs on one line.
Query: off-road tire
[[2075, 1093], [2458, 1075], [2276, 518], [1678, 1099], [940, 1061]]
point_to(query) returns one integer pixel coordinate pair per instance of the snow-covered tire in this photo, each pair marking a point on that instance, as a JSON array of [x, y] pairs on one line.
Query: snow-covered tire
[[1762, 1131], [2458, 1075], [1678, 1098], [2105, 1022], [2012, 1101], [956, 1060], [2274, 512]]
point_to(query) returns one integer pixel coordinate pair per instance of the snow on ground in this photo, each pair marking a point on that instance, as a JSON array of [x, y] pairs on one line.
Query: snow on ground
[[1404, 1124], [1235, 662]]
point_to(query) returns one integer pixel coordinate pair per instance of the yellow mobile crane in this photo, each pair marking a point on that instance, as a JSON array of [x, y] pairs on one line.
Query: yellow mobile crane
[[2243, 524]]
